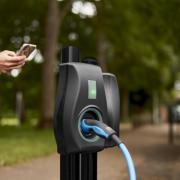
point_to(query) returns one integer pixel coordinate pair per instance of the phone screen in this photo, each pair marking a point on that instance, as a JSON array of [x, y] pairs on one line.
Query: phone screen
[[26, 50]]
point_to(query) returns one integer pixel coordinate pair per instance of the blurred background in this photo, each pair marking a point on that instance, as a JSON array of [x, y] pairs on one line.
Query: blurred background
[[138, 41]]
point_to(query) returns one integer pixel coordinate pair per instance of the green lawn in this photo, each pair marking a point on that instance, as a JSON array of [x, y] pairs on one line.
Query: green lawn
[[18, 144]]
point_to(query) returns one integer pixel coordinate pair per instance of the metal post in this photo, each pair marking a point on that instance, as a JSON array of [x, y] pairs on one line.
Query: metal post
[[88, 166], [69, 167], [79, 166]]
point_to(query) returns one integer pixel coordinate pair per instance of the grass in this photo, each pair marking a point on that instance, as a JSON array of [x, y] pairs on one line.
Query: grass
[[19, 144]]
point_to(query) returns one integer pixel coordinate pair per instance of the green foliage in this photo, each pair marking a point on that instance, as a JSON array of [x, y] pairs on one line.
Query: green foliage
[[20, 19], [142, 55], [142, 39]]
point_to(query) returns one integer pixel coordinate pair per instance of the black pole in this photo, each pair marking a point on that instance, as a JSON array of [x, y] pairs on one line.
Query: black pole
[[79, 166], [88, 166], [69, 54], [69, 167]]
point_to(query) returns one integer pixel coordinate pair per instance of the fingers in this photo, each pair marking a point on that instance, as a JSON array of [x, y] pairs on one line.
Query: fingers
[[10, 66], [16, 58], [10, 53], [18, 67]]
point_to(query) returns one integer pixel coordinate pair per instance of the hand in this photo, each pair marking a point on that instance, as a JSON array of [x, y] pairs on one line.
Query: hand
[[9, 60]]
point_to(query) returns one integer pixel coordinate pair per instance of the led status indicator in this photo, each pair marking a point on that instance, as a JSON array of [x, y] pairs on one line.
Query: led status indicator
[[92, 89]]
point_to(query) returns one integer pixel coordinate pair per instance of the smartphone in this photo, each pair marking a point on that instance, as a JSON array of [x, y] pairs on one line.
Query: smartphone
[[26, 49]]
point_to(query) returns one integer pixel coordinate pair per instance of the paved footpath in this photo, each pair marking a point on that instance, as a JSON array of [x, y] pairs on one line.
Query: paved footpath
[[154, 159]]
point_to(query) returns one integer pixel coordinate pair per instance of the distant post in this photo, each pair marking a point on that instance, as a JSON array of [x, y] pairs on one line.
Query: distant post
[[20, 110]]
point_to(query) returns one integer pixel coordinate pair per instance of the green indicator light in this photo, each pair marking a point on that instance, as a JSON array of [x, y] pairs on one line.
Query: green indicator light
[[92, 92]]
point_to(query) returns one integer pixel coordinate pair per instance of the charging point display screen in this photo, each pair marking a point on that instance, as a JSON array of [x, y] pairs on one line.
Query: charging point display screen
[[92, 90]]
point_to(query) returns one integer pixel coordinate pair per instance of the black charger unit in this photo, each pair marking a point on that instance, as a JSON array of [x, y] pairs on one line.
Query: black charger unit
[[84, 92]]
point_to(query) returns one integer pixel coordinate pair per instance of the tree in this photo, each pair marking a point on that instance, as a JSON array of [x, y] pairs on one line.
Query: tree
[[55, 16]]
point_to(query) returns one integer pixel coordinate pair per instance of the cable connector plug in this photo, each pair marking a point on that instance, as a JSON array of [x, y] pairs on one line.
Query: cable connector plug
[[97, 127]]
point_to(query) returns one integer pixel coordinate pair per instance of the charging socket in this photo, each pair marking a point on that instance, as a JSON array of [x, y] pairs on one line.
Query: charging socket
[[89, 113]]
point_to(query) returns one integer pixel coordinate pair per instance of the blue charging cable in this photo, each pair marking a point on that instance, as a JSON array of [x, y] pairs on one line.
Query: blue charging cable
[[106, 132]]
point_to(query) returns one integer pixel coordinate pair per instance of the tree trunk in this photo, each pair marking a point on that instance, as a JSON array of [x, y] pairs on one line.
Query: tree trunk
[[48, 75], [156, 118], [55, 17]]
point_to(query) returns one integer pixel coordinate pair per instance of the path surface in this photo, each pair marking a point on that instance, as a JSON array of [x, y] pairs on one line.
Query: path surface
[[154, 159]]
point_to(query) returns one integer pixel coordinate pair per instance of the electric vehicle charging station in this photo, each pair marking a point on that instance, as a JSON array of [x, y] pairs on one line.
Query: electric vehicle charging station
[[87, 109]]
